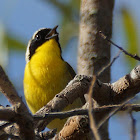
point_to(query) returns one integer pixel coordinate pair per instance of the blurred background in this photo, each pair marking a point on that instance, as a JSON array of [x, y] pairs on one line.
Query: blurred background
[[20, 19]]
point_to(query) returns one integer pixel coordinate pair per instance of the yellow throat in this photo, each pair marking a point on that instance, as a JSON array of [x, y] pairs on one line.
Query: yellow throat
[[46, 74]]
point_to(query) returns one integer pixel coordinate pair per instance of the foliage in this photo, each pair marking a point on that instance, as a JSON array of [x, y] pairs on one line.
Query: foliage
[[70, 18], [131, 35]]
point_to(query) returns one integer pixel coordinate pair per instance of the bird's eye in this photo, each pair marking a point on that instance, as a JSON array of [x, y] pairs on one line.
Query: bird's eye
[[37, 37]]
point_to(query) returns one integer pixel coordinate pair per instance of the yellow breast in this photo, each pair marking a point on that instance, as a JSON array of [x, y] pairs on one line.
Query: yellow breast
[[46, 74]]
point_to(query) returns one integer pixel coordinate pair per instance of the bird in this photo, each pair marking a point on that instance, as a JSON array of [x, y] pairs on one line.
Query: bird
[[46, 73]]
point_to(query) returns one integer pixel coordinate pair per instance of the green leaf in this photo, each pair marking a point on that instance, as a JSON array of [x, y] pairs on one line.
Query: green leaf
[[131, 35], [70, 19], [14, 43], [68, 32]]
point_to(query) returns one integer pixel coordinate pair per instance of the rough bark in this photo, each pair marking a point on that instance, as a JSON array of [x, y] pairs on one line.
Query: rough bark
[[104, 93], [115, 93], [25, 121], [93, 51]]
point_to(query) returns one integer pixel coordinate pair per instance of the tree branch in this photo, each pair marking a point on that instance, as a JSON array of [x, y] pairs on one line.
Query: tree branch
[[135, 56], [8, 90], [10, 114], [114, 93], [93, 126], [24, 120], [133, 127], [93, 51], [76, 88], [104, 94]]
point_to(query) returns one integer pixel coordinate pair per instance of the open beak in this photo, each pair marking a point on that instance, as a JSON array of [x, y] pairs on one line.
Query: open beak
[[52, 33]]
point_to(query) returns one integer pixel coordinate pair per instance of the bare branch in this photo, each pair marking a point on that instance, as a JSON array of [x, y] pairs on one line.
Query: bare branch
[[7, 114], [108, 65], [104, 94], [133, 126], [62, 115], [91, 118], [75, 128], [4, 124], [114, 93], [47, 135], [119, 91], [7, 89], [5, 136], [80, 111], [75, 89], [112, 113], [93, 51], [24, 120], [135, 56]]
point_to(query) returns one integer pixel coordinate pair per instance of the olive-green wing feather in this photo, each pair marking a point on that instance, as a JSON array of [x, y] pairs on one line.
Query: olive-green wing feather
[[72, 73]]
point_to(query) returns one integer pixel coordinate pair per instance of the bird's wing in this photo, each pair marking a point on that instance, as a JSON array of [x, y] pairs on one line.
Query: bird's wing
[[72, 73]]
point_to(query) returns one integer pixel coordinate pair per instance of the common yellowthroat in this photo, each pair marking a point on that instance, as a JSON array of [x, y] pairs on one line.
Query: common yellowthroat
[[46, 73]]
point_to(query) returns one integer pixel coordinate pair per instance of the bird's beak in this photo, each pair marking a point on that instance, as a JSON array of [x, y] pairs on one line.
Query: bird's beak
[[52, 33]]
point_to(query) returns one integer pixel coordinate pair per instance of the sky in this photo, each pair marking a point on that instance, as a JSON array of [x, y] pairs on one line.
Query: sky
[[23, 18]]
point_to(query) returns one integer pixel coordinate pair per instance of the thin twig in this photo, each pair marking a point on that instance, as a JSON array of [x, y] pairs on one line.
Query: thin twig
[[7, 88], [9, 137], [61, 115], [7, 114], [66, 114], [133, 127], [113, 112], [47, 135], [4, 124], [78, 86], [135, 56], [109, 64], [91, 118], [79, 111], [10, 92]]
